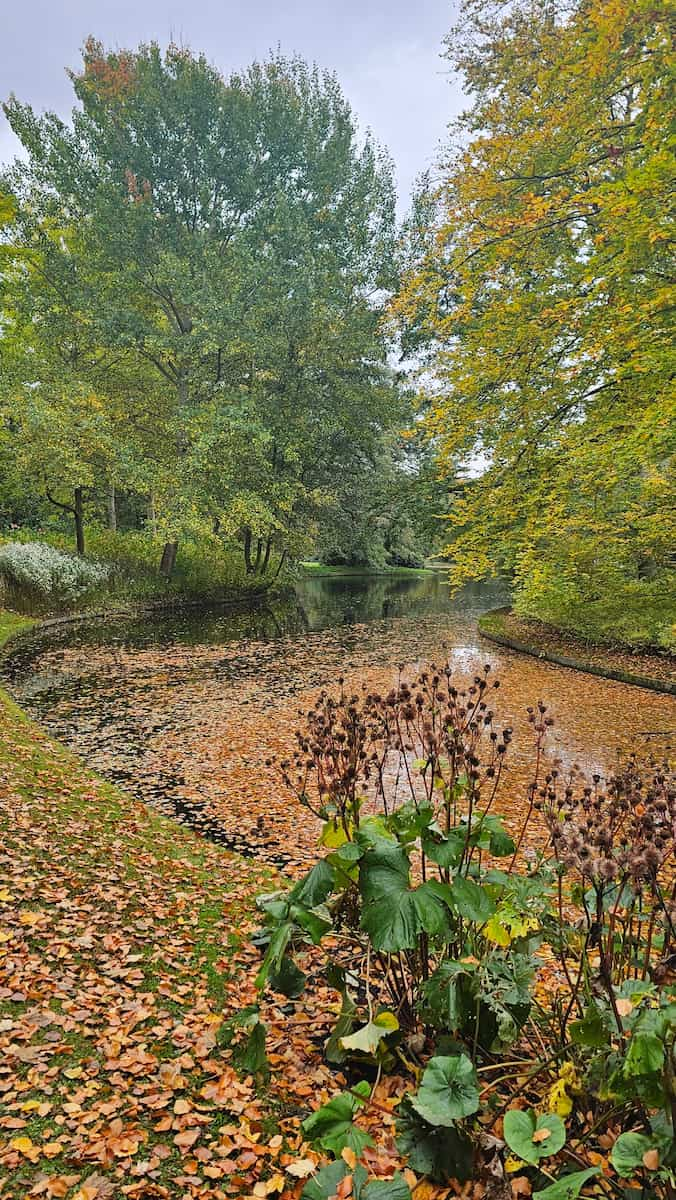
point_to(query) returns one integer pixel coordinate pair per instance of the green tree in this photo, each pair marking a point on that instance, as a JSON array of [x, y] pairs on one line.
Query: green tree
[[234, 244]]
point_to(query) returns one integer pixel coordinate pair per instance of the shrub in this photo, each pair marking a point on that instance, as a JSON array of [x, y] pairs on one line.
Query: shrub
[[436, 947], [36, 577], [606, 604], [206, 567]]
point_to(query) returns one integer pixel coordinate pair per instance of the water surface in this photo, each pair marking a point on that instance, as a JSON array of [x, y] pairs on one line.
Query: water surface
[[186, 708]]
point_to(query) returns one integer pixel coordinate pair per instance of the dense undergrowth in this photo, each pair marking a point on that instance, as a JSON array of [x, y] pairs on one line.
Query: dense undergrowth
[[468, 954], [609, 607], [46, 577]]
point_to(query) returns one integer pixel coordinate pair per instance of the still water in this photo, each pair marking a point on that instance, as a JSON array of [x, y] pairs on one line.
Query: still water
[[185, 709]]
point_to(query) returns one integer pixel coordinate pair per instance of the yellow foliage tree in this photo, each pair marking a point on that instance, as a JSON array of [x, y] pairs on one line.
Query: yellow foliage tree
[[543, 289]]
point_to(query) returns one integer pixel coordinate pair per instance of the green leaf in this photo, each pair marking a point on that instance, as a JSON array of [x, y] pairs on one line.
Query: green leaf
[[249, 1056], [316, 886], [449, 995], [471, 900], [346, 855], [331, 1126], [500, 844], [645, 1055], [592, 1030], [442, 1153], [627, 1153], [312, 922], [287, 978], [324, 1184], [245, 1018], [520, 1128], [386, 1189], [448, 1091], [567, 1188], [409, 822], [394, 914], [445, 851], [333, 1048], [275, 952], [368, 1038]]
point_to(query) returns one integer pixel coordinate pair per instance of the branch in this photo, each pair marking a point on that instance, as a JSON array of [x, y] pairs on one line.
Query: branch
[[66, 507]]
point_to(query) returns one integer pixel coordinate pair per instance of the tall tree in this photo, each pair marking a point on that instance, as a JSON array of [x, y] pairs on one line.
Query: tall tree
[[235, 239], [543, 292]]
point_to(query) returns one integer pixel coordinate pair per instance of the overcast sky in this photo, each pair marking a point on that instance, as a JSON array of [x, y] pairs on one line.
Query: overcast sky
[[386, 54]]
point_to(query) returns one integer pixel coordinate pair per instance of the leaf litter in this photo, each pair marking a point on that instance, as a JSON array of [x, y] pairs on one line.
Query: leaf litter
[[124, 938]]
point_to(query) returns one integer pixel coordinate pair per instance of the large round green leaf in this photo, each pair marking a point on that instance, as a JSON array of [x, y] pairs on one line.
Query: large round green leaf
[[448, 1091], [532, 1138], [627, 1153], [395, 914]]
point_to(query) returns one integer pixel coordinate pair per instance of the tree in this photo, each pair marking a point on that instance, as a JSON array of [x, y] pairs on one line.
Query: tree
[[542, 294], [235, 241], [72, 412]]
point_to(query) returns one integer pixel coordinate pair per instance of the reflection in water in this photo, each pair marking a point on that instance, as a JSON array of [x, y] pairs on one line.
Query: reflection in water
[[185, 708], [351, 600]]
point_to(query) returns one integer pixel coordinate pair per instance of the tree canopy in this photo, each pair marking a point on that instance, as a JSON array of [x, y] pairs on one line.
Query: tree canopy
[[210, 258], [541, 291]]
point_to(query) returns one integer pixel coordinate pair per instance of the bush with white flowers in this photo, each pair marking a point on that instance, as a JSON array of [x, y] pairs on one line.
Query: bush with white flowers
[[35, 575]]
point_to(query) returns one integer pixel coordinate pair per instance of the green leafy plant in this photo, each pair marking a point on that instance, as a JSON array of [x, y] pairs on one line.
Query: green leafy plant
[[427, 919]]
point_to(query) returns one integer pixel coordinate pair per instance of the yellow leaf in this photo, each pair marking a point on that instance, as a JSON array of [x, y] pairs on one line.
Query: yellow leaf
[[514, 1164], [559, 1101], [496, 932], [23, 1144]]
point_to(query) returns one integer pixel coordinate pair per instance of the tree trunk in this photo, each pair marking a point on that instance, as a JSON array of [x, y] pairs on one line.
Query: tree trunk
[[266, 557], [151, 518], [112, 511], [259, 552], [78, 515], [281, 563], [168, 561], [247, 551]]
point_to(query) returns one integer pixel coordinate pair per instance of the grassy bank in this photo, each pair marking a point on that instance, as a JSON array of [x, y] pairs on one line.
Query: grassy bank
[[117, 935], [644, 669]]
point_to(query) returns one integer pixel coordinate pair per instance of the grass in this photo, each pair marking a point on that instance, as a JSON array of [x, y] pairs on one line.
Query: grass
[[11, 623], [119, 931]]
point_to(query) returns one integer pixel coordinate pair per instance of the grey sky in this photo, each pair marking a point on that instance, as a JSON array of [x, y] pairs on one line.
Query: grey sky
[[386, 55]]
